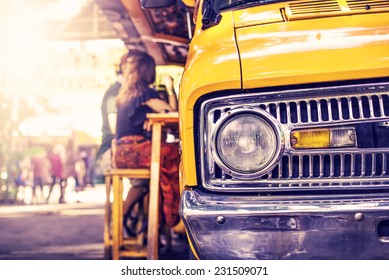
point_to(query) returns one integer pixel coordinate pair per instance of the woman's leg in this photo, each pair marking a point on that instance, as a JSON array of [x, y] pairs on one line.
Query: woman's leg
[[133, 205], [139, 187], [169, 183]]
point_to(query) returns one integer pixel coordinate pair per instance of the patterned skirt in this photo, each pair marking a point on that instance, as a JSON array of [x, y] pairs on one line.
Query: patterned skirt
[[134, 151]]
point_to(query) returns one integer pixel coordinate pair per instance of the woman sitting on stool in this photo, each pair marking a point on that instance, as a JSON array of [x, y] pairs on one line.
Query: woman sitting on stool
[[132, 143]]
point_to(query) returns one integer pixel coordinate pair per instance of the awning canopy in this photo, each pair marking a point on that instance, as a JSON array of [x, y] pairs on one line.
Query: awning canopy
[[163, 33], [88, 24]]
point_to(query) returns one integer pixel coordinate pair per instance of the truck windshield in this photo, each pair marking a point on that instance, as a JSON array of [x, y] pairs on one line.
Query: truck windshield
[[220, 5]]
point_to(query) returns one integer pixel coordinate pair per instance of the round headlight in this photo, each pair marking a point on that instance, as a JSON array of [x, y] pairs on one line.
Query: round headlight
[[247, 142]]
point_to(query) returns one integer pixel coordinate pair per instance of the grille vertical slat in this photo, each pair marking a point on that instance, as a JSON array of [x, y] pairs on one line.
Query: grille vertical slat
[[363, 167], [381, 101], [288, 113], [301, 168], [298, 108], [360, 107], [319, 112], [341, 112], [371, 106], [309, 116], [352, 117], [311, 166], [332, 166], [290, 167], [330, 117], [284, 166], [342, 168], [352, 165], [278, 109]]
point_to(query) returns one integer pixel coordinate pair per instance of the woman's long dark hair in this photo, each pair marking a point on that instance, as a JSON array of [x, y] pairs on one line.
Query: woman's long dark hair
[[138, 74]]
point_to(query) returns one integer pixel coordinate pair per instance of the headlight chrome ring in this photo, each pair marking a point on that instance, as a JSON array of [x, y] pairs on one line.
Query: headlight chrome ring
[[247, 142]]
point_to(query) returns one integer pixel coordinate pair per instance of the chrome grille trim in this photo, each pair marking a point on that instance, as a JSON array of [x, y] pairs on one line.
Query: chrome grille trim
[[376, 162], [316, 116], [313, 108]]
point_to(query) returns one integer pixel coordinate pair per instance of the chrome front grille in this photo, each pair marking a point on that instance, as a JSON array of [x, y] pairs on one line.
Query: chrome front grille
[[322, 109], [336, 165], [358, 167]]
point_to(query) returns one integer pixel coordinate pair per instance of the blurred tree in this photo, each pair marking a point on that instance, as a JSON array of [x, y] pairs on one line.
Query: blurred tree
[[9, 123]]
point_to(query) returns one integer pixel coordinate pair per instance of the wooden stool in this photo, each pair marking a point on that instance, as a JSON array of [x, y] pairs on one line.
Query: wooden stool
[[115, 245], [115, 177]]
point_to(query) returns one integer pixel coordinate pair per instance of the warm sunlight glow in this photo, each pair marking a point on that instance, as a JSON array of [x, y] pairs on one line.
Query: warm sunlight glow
[[63, 81]]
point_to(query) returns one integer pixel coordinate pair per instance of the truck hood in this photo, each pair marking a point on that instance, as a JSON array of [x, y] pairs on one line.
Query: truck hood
[[291, 43]]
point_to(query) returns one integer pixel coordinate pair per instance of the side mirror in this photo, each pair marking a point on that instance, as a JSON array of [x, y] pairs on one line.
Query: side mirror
[[154, 4]]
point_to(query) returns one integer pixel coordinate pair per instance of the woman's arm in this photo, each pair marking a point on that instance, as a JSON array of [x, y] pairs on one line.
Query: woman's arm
[[159, 105]]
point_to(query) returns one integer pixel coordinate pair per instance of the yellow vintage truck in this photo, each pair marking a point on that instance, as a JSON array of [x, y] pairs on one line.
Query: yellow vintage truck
[[284, 115], [284, 127]]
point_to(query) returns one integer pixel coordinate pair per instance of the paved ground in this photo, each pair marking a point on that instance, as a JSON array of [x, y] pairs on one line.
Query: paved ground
[[73, 230]]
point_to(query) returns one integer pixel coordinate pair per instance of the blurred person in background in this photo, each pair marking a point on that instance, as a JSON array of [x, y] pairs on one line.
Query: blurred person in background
[[40, 168], [81, 170], [18, 172], [56, 169], [109, 115], [70, 163]]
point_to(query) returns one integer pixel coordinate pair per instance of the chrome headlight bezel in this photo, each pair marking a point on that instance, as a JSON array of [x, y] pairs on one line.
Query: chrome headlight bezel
[[269, 120]]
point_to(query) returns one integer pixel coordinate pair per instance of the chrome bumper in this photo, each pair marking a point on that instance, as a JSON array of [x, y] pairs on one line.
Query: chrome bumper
[[284, 227]]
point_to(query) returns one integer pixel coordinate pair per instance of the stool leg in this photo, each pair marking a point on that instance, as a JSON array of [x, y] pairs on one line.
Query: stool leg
[[120, 208], [115, 217], [132, 247], [152, 233], [107, 219]]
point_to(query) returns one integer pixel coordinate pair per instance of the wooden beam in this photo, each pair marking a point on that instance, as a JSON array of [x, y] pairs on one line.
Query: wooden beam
[[142, 25], [166, 39]]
